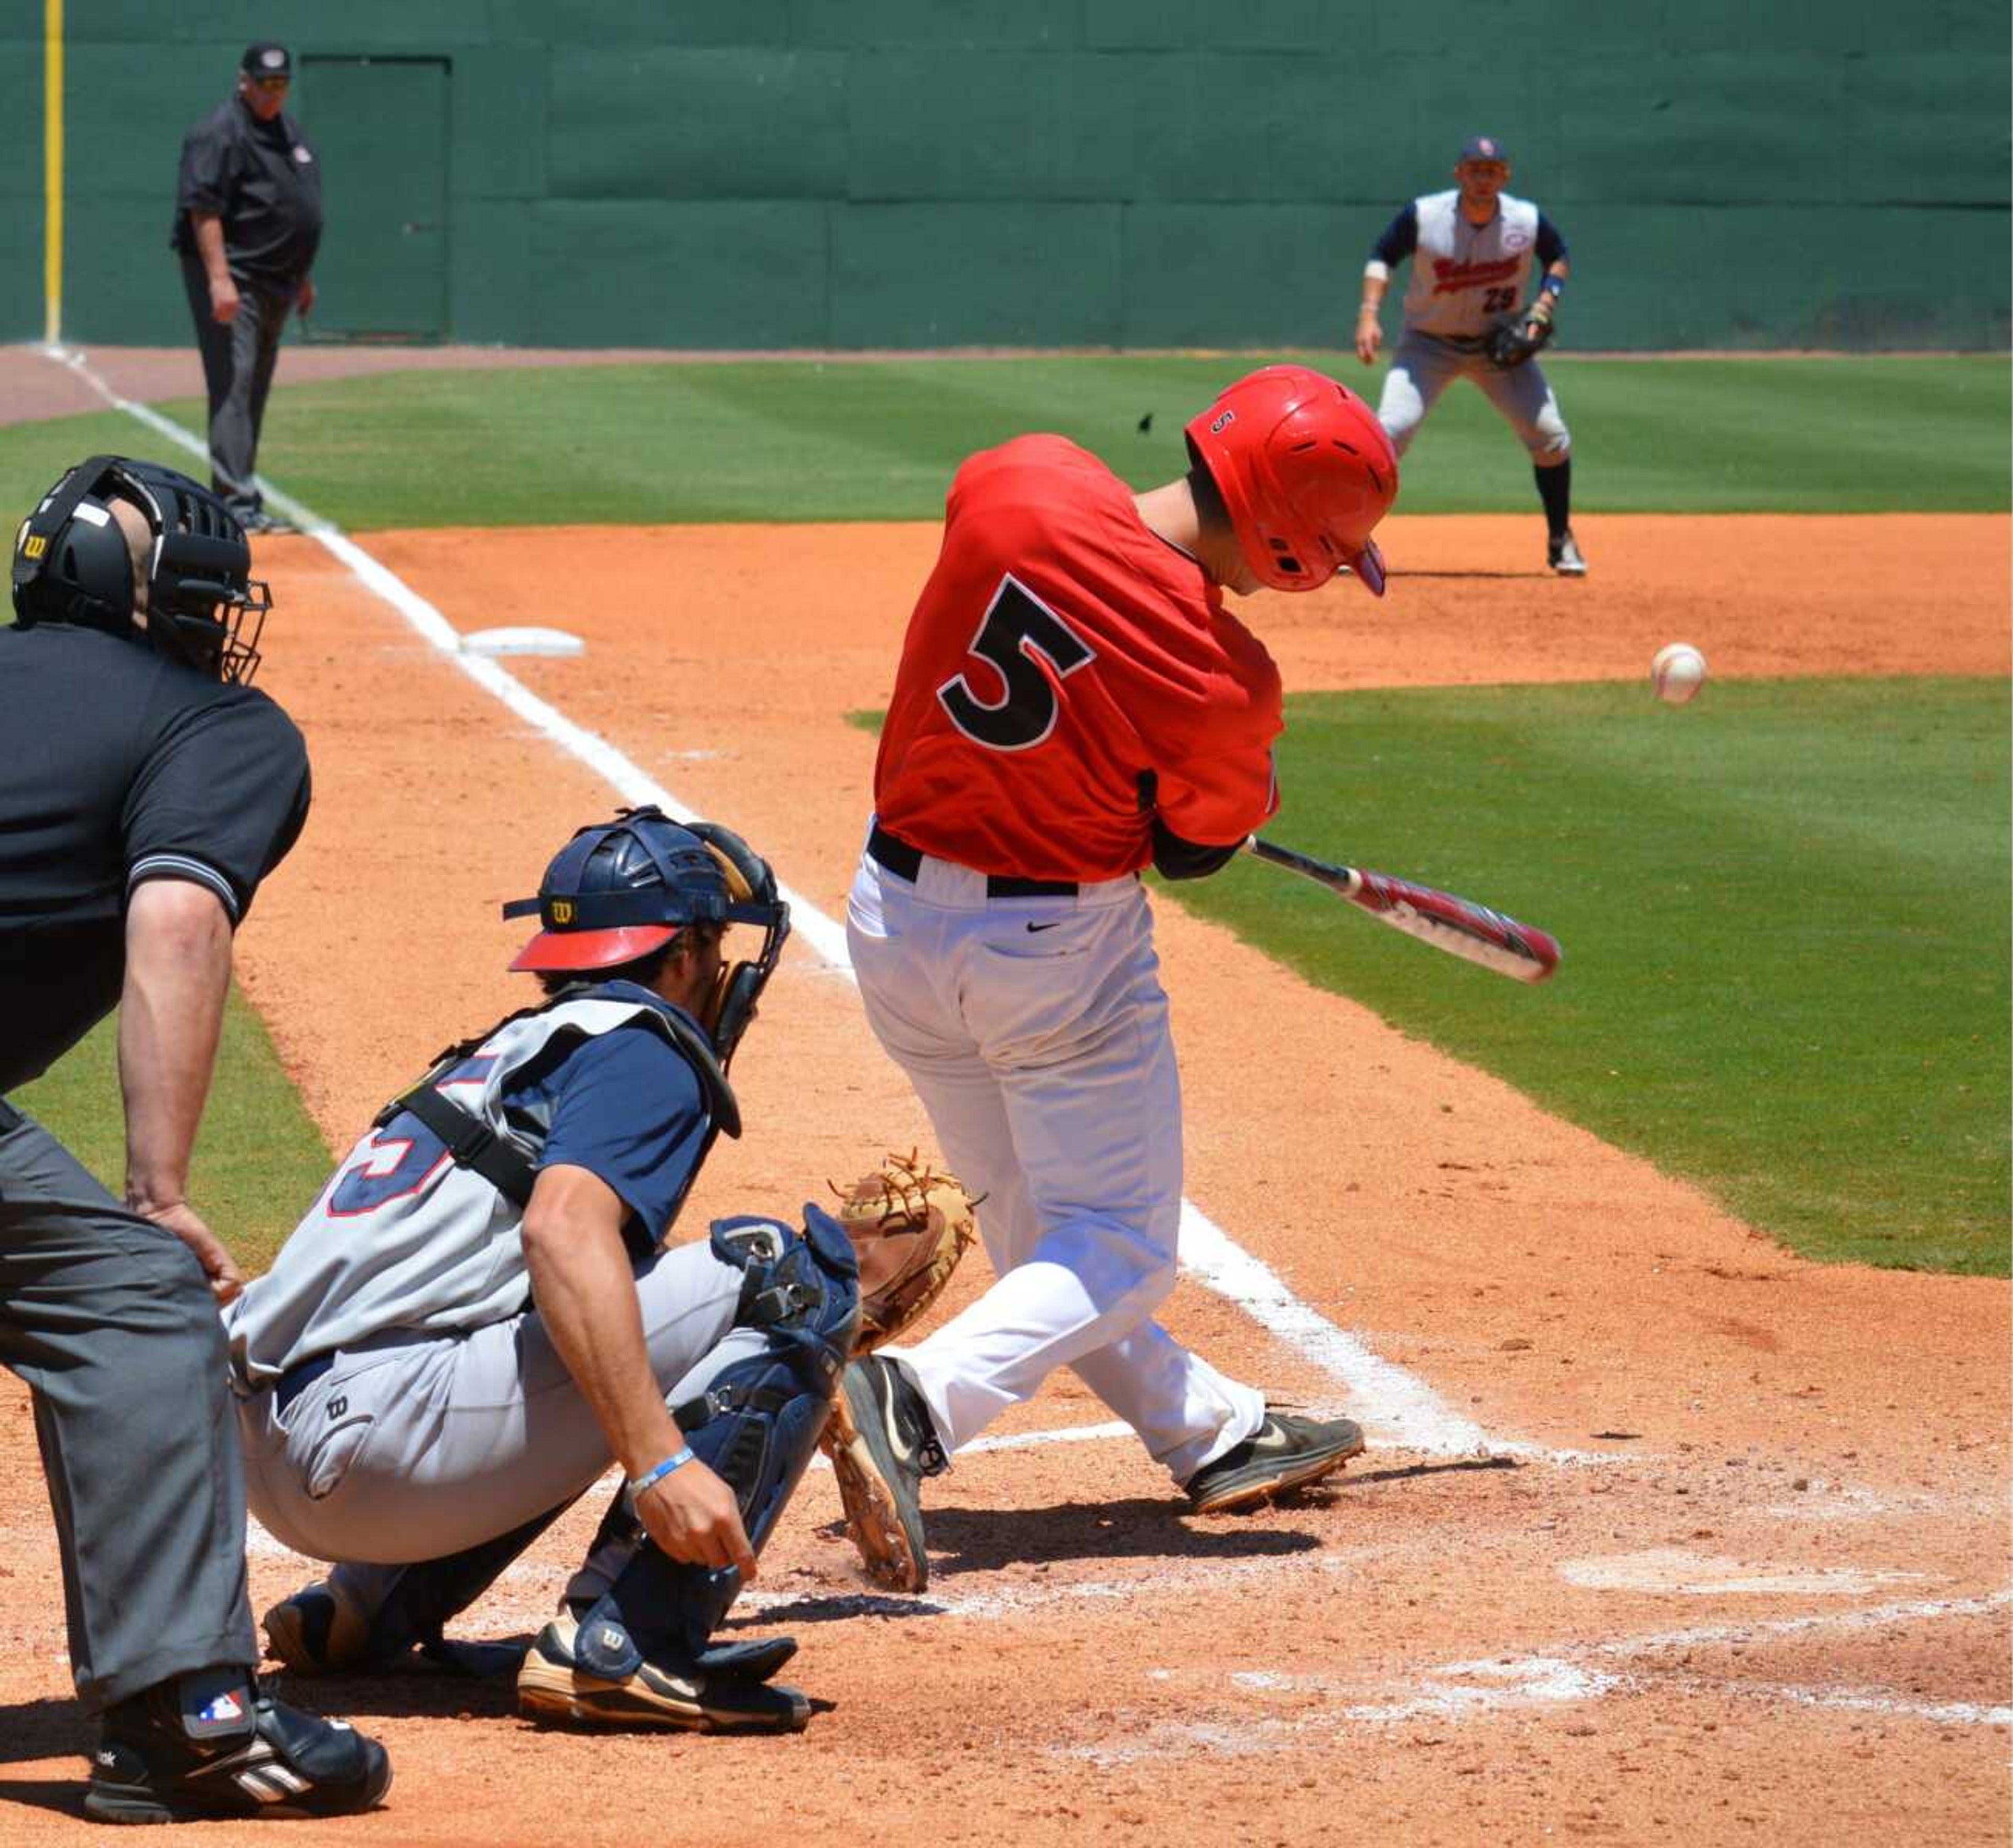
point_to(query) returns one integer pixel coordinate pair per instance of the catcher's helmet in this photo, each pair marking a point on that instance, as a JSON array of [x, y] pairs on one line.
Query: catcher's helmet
[[1305, 471], [623, 889], [72, 564]]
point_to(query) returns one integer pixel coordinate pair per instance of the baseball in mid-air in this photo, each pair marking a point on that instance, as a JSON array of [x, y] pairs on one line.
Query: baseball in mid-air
[[1677, 672]]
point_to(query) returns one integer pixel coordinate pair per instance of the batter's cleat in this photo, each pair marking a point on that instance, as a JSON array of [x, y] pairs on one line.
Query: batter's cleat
[[1562, 555], [319, 1630], [882, 1442], [1285, 1453], [555, 1685], [215, 1744]]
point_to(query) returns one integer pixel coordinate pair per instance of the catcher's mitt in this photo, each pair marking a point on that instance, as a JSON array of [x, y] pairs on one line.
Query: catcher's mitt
[[910, 1224], [1512, 343]]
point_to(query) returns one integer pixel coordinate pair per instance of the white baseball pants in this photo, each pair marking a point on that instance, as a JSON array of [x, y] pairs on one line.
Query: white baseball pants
[[1034, 1030], [1424, 366]]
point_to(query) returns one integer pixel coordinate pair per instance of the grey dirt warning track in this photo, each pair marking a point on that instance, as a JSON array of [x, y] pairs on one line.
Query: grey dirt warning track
[[1664, 1535]]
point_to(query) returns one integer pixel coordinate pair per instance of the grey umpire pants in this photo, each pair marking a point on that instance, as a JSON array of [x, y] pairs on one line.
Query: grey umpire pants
[[238, 357], [111, 1323]]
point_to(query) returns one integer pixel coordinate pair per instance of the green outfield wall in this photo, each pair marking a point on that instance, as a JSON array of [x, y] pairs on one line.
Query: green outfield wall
[[773, 173]]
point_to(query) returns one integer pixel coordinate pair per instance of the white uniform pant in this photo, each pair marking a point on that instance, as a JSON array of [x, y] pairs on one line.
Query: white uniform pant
[[1036, 1033], [1424, 366]]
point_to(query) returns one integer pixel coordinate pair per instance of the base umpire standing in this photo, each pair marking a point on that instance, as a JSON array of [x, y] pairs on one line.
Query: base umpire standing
[[144, 793], [248, 223]]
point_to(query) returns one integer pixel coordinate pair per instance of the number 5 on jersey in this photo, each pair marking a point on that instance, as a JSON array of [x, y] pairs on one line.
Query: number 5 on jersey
[[1018, 627]]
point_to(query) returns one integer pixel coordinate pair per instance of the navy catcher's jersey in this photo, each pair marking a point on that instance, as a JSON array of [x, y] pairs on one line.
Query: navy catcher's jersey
[[118, 766], [1466, 277], [402, 1238]]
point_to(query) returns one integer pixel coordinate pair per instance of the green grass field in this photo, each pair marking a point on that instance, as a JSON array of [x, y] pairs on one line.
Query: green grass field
[[259, 1160], [1787, 965], [791, 440], [1785, 908]]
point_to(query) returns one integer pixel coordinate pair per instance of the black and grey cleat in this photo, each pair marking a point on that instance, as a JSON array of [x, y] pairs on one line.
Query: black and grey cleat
[[565, 1679], [882, 1443], [1285, 1452]]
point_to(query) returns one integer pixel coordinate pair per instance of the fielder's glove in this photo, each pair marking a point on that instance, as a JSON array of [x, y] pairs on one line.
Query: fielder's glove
[[1512, 343], [910, 1224]]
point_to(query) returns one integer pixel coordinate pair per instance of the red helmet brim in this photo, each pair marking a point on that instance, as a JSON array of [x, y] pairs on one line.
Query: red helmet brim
[[592, 949]]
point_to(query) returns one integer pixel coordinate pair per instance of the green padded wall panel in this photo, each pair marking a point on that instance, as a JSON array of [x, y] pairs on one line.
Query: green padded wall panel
[[981, 24], [757, 173], [497, 123], [707, 274], [680, 124], [492, 277], [578, 25], [979, 275], [1927, 125], [1238, 275], [21, 187]]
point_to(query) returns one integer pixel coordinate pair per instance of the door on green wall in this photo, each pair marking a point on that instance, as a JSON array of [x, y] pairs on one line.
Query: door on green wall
[[379, 126]]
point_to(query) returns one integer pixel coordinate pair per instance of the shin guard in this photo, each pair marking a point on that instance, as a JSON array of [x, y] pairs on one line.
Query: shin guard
[[755, 1423]]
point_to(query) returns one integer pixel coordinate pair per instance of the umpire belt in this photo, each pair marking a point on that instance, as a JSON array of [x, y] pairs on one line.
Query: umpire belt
[[905, 862]]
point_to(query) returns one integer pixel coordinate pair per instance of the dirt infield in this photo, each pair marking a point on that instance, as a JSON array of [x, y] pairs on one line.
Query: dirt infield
[[1664, 1536]]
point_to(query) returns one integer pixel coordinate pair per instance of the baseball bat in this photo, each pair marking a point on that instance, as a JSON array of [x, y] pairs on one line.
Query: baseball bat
[[1458, 926]]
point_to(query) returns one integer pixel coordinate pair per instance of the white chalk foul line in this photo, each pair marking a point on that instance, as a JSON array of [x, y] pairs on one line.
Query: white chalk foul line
[[1396, 1405]]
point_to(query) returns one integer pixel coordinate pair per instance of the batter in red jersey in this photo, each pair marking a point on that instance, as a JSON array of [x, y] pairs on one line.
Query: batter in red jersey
[[1073, 704]]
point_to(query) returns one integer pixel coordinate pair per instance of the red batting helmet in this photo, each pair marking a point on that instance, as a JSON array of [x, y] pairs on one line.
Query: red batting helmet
[[1305, 471]]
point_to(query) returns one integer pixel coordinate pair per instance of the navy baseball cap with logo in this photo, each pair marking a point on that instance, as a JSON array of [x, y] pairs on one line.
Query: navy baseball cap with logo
[[266, 59], [1484, 147]]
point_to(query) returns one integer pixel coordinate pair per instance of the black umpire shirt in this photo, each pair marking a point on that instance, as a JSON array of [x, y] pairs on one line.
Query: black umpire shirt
[[117, 765], [263, 180]]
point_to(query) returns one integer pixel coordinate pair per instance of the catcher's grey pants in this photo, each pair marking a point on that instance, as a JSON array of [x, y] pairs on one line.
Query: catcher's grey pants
[[413, 1448], [238, 356], [1424, 366], [110, 1322]]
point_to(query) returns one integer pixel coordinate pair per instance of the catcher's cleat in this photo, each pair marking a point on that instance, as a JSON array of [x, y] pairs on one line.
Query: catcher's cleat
[[1285, 1453], [1562, 555], [554, 1685], [882, 1442], [319, 1630], [215, 1744]]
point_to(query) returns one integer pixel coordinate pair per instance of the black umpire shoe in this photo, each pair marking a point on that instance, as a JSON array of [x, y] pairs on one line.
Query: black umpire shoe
[[882, 1442], [215, 1744], [1284, 1452]]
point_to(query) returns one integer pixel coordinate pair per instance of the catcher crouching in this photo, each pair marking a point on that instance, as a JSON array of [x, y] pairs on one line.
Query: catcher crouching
[[479, 1312]]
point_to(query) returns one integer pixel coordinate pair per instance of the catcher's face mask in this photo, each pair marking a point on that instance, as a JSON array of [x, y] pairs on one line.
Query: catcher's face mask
[[752, 888]]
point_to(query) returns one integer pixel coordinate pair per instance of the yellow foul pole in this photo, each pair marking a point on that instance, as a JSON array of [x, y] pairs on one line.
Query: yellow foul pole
[[52, 168]]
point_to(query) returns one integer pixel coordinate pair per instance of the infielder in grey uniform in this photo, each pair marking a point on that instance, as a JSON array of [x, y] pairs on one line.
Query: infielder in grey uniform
[[479, 1313], [1474, 247]]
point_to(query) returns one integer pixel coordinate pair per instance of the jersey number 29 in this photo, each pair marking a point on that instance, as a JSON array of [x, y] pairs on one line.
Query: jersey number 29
[[1018, 627]]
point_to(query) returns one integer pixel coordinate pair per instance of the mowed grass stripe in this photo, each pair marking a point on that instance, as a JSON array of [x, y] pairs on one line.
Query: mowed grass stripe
[[1786, 917], [801, 440]]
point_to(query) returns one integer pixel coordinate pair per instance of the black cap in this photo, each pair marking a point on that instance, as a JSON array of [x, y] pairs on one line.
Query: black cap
[[266, 59], [1484, 147]]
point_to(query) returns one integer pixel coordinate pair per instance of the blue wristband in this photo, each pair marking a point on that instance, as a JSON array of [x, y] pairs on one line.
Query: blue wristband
[[677, 1460], [1553, 285]]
